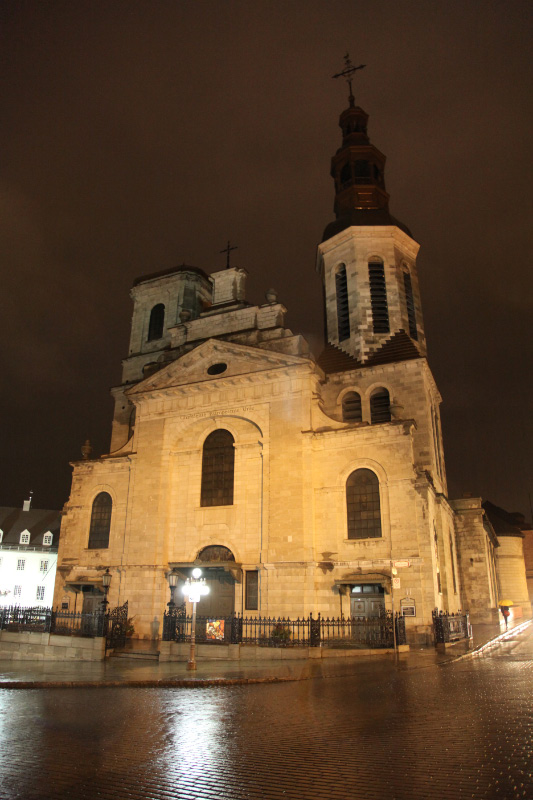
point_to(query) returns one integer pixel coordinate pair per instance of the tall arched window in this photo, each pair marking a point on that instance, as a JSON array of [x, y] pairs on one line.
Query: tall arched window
[[157, 322], [362, 171], [362, 505], [379, 406], [218, 463], [378, 296], [351, 407], [100, 521], [410, 304], [346, 175], [343, 309]]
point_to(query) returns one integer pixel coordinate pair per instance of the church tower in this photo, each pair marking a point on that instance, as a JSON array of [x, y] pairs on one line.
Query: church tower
[[367, 258], [375, 354]]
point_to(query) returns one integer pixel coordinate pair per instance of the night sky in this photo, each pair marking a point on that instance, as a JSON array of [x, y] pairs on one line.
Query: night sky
[[140, 135]]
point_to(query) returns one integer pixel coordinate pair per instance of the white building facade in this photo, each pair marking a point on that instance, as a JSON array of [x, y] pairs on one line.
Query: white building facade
[[29, 541]]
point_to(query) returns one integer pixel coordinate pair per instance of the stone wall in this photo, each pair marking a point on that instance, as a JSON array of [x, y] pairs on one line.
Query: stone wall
[[512, 573], [49, 647], [475, 556]]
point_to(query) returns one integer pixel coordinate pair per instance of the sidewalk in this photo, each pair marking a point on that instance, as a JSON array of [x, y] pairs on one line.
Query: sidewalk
[[116, 672]]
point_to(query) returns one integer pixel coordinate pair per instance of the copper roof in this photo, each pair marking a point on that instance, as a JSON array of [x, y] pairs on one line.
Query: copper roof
[[398, 348]]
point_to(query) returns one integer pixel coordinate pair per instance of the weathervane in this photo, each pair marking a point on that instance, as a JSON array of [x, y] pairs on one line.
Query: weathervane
[[227, 250], [348, 73]]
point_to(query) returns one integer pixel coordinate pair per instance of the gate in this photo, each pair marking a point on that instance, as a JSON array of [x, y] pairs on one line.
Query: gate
[[116, 627]]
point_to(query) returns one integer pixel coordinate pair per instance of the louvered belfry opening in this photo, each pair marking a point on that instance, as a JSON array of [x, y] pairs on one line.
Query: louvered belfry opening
[[218, 466], [378, 297], [380, 406], [343, 309], [410, 303], [157, 322], [100, 521], [351, 407], [362, 505]]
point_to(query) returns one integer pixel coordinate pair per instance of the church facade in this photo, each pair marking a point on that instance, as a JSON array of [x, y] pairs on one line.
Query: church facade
[[299, 484]]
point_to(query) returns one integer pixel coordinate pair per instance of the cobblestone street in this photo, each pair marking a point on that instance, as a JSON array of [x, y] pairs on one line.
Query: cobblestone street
[[459, 730]]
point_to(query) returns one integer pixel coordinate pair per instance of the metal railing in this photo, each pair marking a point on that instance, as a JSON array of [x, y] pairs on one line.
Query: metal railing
[[45, 620], [450, 627], [347, 632]]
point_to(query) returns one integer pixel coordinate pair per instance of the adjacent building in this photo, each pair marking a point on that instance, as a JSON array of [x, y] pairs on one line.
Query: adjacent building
[[29, 539]]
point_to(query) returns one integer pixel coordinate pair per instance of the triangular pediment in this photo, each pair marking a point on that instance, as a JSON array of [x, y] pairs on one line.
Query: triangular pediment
[[214, 360]]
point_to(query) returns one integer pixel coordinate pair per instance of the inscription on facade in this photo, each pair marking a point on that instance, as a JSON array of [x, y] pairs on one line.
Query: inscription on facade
[[217, 413]]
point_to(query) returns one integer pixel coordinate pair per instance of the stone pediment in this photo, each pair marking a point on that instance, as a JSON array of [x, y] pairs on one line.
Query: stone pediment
[[215, 360]]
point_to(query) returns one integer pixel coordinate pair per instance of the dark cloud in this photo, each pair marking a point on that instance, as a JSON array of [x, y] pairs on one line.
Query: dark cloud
[[140, 135]]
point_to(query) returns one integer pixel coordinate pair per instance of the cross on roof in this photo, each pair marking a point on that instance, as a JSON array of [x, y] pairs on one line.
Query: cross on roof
[[227, 250], [348, 73]]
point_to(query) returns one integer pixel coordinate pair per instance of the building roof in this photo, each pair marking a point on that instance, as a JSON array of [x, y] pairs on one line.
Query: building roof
[[362, 217], [399, 347], [167, 272], [505, 523], [37, 521]]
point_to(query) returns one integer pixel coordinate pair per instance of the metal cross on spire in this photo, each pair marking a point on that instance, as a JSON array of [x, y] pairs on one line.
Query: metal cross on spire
[[348, 74], [227, 250]]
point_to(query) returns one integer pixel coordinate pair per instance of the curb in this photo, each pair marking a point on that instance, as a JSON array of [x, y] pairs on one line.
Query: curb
[[168, 683]]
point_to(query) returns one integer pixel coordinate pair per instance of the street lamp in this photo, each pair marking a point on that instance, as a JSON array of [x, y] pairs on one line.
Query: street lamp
[[194, 588], [172, 582], [106, 580]]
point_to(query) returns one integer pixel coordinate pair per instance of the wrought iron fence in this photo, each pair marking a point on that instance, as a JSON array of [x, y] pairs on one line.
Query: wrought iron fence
[[352, 632], [363, 632], [450, 627], [46, 620]]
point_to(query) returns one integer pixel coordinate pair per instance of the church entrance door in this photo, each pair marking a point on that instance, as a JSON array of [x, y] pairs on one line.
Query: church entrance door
[[92, 600], [367, 600], [220, 602]]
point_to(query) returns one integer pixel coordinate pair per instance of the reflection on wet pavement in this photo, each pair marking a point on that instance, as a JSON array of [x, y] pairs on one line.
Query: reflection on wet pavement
[[454, 731]]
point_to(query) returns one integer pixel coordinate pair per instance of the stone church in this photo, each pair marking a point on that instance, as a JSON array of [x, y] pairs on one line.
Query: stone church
[[299, 484]]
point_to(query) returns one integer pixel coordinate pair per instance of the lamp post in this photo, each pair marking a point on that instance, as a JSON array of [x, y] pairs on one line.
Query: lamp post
[[194, 588], [106, 580], [172, 582]]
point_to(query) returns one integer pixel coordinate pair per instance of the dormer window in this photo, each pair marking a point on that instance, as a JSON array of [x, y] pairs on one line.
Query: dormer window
[[47, 539], [25, 537]]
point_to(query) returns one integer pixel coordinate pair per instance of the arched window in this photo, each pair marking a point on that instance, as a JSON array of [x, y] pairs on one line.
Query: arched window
[[362, 505], [379, 406], [351, 407], [362, 171], [215, 552], [218, 463], [343, 309], [346, 175], [410, 303], [100, 521], [378, 296], [157, 322]]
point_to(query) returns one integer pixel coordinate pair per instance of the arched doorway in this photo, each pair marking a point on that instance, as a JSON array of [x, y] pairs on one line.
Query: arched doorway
[[218, 565]]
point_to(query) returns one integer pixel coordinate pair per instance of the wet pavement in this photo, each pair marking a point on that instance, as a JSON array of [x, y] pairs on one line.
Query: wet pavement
[[459, 729], [116, 672]]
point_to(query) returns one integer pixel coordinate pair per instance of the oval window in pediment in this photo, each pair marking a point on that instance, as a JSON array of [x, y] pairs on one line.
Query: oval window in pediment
[[217, 369]]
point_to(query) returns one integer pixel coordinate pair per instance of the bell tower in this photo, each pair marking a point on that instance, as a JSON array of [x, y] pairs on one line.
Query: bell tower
[[367, 258]]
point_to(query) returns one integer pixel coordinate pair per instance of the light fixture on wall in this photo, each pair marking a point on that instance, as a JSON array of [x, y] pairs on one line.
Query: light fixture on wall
[[106, 580], [172, 582]]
